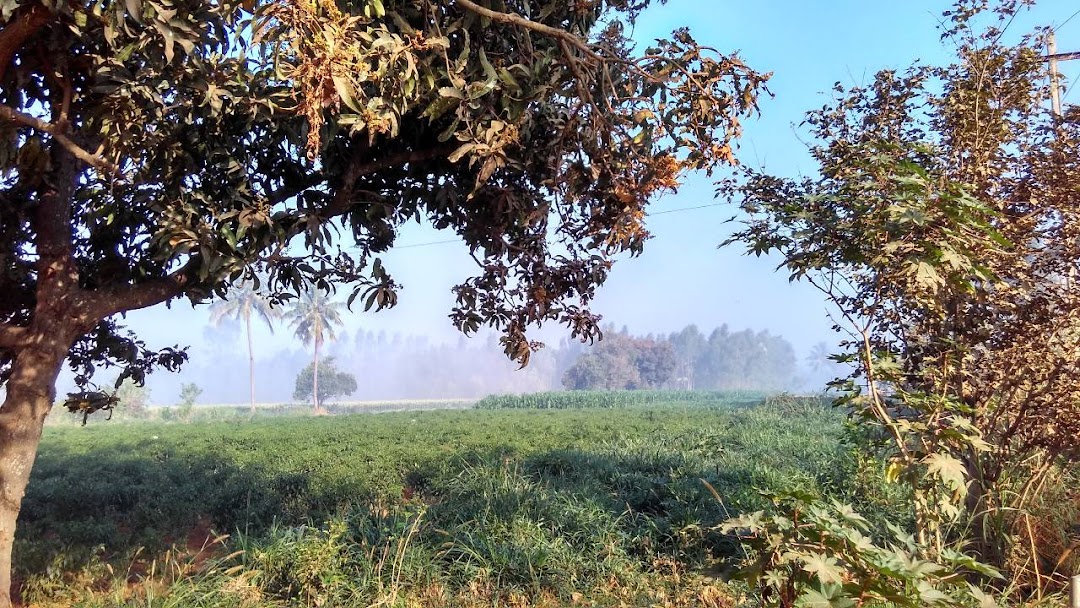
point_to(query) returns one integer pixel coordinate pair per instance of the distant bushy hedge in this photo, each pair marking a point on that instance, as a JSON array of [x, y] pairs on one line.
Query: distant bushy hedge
[[620, 399]]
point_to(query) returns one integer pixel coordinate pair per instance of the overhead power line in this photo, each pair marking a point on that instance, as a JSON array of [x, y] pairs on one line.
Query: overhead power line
[[1068, 20], [410, 246], [666, 211], [686, 209]]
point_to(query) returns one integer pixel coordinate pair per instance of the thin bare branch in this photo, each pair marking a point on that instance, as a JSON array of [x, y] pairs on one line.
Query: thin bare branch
[[519, 21]]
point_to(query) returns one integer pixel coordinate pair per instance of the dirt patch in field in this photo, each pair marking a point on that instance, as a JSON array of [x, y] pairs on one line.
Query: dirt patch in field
[[202, 543]]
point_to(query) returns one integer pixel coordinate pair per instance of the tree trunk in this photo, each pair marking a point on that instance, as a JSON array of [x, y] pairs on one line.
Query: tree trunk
[[988, 528], [251, 362], [315, 378], [31, 391]]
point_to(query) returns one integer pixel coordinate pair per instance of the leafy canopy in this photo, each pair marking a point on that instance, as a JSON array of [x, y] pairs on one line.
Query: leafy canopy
[[153, 149], [333, 382]]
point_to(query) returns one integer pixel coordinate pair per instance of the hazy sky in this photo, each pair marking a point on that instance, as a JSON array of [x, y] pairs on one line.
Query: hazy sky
[[682, 277]]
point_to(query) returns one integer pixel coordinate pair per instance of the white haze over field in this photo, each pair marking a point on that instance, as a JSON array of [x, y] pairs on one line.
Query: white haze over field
[[681, 279]]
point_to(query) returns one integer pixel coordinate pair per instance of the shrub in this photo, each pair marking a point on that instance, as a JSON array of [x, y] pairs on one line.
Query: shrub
[[332, 382], [811, 552]]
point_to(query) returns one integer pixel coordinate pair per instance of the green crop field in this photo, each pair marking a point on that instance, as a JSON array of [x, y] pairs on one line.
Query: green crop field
[[510, 505]]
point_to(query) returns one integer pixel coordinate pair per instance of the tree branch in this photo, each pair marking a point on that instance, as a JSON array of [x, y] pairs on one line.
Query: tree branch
[[13, 115], [518, 20], [22, 27], [57, 272], [103, 303], [575, 69], [359, 166], [11, 336]]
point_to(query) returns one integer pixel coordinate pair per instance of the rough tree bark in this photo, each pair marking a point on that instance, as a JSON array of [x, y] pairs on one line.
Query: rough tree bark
[[30, 394], [62, 313]]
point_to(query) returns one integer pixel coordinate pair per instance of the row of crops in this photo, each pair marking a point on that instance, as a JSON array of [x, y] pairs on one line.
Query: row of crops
[[513, 506]]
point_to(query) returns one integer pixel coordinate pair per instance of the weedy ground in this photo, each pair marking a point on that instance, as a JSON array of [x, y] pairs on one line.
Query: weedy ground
[[508, 506]]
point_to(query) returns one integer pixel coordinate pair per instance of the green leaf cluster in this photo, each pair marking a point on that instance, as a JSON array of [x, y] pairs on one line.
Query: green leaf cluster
[[810, 552]]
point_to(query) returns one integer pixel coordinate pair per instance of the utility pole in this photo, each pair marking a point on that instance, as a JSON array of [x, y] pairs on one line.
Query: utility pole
[[1053, 57]]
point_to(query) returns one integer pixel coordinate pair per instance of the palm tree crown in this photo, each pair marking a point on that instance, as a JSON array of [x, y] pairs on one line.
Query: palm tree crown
[[241, 303], [314, 318], [818, 359]]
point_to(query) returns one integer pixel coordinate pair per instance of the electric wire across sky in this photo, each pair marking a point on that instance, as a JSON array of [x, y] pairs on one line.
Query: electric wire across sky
[[444, 242]]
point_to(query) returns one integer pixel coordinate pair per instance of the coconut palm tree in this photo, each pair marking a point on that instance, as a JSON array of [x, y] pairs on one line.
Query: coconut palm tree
[[313, 318], [818, 359], [241, 303]]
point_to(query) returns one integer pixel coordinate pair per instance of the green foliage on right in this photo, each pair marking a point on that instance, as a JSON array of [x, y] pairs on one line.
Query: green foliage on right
[[941, 225], [811, 552]]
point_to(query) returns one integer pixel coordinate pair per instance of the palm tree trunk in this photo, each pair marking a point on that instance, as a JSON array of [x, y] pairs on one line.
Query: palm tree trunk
[[315, 377], [251, 361]]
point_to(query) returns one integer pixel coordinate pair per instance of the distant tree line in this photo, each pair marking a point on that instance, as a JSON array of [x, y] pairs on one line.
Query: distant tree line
[[391, 365], [621, 361], [686, 359]]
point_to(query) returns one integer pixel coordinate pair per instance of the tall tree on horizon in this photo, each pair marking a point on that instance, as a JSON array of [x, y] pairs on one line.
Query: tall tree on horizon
[[313, 318], [689, 344], [242, 302]]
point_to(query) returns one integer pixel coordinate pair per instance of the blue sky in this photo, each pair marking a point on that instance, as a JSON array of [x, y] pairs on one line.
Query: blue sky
[[682, 277]]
